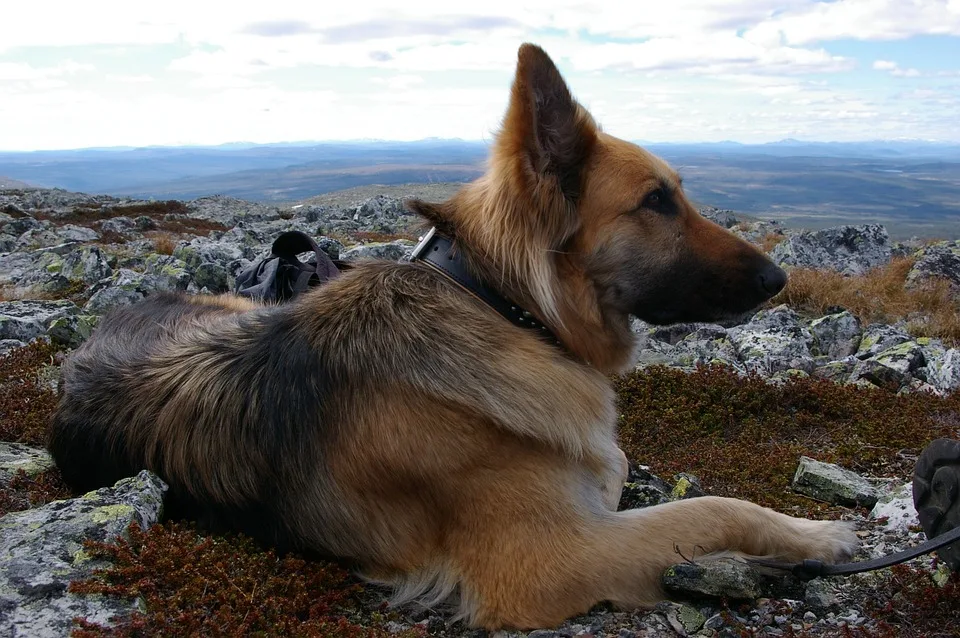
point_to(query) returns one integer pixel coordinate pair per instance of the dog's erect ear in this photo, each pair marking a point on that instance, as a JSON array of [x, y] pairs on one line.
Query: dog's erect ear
[[434, 214], [555, 132]]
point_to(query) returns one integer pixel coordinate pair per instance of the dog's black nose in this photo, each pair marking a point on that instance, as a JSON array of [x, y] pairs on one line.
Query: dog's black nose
[[772, 279]]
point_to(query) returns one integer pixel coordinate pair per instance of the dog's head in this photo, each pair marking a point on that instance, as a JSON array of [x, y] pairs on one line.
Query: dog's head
[[588, 227]]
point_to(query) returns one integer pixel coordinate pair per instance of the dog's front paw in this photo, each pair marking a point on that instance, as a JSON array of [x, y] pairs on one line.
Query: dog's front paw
[[826, 541]]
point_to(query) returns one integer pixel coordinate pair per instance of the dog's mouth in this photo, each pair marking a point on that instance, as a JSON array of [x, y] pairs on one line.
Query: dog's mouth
[[710, 300], [726, 318]]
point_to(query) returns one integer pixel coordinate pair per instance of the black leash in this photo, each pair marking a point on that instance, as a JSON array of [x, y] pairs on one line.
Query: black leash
[[811, 568]]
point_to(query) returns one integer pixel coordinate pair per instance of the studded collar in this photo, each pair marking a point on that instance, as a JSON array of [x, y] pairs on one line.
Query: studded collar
[[439, 251]]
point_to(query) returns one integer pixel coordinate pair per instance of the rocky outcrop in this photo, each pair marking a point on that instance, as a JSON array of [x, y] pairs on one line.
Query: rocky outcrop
[[60, 321], [749, 228], [778, 344], [774, 341], [939, 261], [836, 336], [399, 250], [851, 250], [41, 552], [44, 252], [16, 457]]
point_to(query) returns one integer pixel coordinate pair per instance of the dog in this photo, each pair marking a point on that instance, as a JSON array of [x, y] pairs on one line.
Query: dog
[[398, 419]]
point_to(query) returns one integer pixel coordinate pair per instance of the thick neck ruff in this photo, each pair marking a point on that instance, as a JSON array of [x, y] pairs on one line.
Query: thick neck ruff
[[439, 251]]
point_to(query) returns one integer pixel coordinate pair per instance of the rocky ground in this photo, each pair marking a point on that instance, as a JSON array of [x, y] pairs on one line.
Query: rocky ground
[[67, 258]]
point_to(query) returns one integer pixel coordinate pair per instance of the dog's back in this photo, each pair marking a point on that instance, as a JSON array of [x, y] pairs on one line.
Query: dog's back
[[157, 387]]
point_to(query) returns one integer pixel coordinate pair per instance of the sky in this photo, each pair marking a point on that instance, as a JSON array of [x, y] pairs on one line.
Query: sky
[[105, 73]]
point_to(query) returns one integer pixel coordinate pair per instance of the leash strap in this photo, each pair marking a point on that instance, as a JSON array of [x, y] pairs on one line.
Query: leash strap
[[810, 568], [440, 252]]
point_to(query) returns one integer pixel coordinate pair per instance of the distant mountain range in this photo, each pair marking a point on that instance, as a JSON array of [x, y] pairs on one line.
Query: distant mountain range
[[911, 186]]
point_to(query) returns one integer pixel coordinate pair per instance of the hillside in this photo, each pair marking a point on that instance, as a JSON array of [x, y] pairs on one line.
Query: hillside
[[911, 188], [7, 183], [856, 364]]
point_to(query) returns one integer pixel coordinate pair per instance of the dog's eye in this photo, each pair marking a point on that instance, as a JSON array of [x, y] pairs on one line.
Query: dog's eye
[[655, 200]]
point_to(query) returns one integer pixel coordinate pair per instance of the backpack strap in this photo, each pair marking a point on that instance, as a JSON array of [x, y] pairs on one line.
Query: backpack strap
[[293, 242], [283, 276]]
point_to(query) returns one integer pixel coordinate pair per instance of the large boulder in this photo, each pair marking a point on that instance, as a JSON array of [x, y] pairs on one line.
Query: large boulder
[[836, 335], [17, 457], [850, 250], [41, 553], [833, 484], [937, 261], [27, 320], [398, 250], [87, 263], [942, 370], [774, 340], [878, 337], [45, 237], [128, 287], [230, 211]]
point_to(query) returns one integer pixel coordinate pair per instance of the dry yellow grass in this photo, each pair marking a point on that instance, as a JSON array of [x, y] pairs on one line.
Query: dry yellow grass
[[878, 296], [164, 244], [770, 240]]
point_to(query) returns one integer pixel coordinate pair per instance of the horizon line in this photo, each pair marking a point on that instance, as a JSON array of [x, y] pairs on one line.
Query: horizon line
[[485, 142]]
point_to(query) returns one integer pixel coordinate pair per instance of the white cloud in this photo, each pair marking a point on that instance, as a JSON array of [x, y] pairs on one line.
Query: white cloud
[[400, 82], [130, 79], [859, 19], [895, 70], [10, 71], [690, 69]]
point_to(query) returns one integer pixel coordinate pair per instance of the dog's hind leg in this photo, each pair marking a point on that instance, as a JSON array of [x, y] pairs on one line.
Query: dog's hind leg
[[614, 475]]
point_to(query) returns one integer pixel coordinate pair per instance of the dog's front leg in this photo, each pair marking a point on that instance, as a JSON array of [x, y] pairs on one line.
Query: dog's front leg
[[540, 554]]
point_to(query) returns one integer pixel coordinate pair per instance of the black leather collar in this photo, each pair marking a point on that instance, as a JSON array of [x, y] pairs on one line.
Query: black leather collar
[[439, 251]]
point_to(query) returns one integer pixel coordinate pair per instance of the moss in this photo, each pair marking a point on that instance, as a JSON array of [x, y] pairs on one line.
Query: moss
[[26, 403], [743, 437], [902, 350], [170, 216], [25, 491], [910, 602], [681, 488], [76, 290], [108, 513], [193, 584]]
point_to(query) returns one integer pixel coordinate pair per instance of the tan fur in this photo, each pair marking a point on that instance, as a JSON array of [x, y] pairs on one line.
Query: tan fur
[[460, 455], [226, 301]]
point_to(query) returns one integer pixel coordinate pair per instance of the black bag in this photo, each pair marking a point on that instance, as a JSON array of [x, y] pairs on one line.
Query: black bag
[[283, 276]]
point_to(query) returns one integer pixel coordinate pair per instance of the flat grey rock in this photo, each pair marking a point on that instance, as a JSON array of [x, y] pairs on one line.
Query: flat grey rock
[[833, 484], [41, 553], [15, 457], [716, 578]]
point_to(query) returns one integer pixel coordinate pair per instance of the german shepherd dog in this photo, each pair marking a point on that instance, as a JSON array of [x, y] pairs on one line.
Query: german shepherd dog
[[394, 420]]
